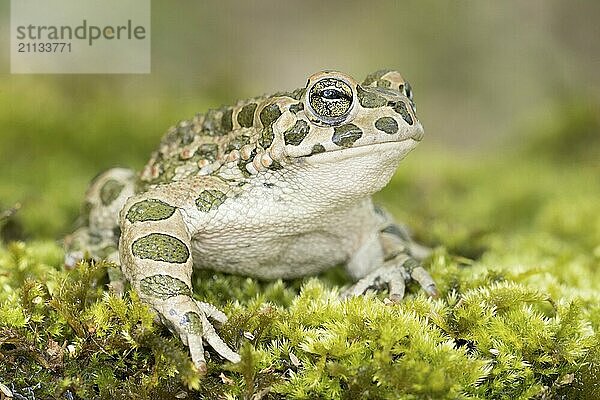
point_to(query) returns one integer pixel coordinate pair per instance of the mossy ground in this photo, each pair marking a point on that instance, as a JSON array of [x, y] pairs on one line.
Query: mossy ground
[[517, 260]]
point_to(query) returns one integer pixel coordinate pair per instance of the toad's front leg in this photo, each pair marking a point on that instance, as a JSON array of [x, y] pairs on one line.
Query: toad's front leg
[[155, 256], [389, 259]]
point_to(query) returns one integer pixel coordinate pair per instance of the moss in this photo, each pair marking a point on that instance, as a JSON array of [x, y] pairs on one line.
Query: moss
[[497, 332]]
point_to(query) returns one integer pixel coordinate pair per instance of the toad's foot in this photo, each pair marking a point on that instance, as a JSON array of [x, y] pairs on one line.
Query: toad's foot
[[389, 260], [189, 318], [394, 275]]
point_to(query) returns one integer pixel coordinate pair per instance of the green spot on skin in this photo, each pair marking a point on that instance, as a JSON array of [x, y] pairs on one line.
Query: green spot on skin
[[163, 287], [295, 108], [160, 247], [110, 191], [226, 120], [375, 76], [192, 323], [149, 210], [269, 114], [369, 99], [401, 109], [210, 200], [296, 134], [246, 115], [317, 148], [266, 137], [384, 83], [346, 135], [298, 93], [387, 125]]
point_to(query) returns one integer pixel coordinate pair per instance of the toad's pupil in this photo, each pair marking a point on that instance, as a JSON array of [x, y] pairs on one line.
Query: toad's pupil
[[331, 94]]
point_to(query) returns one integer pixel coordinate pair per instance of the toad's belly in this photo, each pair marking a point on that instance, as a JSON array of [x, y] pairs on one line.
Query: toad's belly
[[271, 258]]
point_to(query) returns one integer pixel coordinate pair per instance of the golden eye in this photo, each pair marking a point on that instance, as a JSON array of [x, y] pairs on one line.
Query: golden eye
[[330, 100]]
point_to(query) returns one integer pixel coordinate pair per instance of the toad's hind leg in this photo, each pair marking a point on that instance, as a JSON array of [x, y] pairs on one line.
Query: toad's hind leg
[[98, 234], [155, 254]]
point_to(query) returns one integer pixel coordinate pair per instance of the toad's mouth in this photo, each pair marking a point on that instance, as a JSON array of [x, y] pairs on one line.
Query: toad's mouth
[[396, 148]]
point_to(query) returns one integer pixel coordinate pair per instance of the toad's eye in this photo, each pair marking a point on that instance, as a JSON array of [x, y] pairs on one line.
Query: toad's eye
[[330, 100]]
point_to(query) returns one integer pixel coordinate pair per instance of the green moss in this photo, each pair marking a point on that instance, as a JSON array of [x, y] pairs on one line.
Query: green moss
[[495, 333]]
